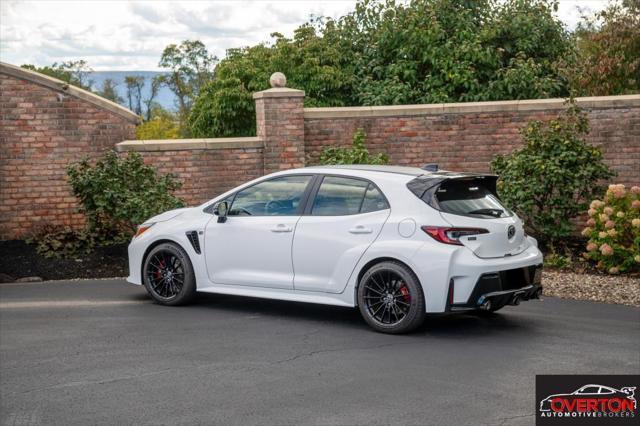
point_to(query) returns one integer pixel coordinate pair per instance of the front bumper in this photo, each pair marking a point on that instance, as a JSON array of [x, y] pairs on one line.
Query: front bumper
[[135, 251], [494, 290]]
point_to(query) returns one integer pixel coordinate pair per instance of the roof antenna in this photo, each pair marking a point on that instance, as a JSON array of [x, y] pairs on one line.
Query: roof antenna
[[430, 167]]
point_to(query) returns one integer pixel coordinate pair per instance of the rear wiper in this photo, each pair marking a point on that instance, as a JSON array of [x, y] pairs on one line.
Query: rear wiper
[[490, 212]]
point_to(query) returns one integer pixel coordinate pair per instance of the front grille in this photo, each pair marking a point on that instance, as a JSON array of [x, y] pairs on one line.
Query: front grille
[[194, 240]]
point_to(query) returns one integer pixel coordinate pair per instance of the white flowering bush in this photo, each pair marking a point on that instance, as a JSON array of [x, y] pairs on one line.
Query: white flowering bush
[[613, 230]]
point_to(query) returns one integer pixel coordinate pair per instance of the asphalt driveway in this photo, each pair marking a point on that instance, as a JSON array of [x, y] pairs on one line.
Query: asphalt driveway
[[101, 352]]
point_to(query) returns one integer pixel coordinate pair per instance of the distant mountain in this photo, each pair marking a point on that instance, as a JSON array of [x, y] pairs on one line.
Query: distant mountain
[[165, 97]]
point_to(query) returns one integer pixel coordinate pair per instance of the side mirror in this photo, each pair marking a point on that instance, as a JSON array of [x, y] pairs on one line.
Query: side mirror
[[221, 210]]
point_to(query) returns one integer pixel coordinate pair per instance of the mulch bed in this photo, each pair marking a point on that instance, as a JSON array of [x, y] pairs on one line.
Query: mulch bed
[[618, 289], [20, 260]]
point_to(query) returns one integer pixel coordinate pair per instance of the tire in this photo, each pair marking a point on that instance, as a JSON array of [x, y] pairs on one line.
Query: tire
[[392, 288], [168, 275]]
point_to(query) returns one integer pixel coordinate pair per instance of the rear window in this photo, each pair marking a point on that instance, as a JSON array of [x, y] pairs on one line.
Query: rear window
[[469, 197]]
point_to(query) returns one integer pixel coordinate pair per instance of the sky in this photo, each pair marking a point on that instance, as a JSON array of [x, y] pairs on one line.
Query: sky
[[130, 35]]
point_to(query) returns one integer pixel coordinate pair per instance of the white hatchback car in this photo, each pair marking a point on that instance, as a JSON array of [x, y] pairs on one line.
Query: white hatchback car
[[397, 242]]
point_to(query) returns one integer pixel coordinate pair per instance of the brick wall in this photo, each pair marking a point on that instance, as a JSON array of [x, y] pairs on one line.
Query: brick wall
[[45, 125], [465, 137], [206, 167], [207, 173], [43, 128]]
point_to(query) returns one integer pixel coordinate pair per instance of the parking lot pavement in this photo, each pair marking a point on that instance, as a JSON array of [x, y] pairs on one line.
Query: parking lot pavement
[[91, 352]]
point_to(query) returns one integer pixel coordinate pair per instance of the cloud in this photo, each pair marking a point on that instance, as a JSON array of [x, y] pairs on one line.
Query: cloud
[[117, 35], [147, 11]]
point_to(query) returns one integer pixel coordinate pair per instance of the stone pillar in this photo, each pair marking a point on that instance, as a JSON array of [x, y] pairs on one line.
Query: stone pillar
[[280, 125]]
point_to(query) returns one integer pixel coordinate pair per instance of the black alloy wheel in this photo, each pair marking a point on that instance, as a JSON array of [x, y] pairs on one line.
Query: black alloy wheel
[[390, 298], [168, 275], [387, 297]]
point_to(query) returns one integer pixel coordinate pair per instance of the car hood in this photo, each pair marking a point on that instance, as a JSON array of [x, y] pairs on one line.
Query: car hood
[[171, 214]]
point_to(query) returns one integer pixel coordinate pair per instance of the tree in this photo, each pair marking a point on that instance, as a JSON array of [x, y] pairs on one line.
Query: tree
[[225, 108], [135, 84], [553, 177], [388, 52], [312, 60], [149, 102], [429, 51], [76, 73], [606, 59], [109, 91], [190, 67]]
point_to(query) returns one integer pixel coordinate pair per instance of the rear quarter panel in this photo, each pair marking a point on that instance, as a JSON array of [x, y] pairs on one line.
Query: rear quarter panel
[[402, 239]]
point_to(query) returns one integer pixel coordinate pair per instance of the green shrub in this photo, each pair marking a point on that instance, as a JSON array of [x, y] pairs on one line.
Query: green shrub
[[613, 230], [157, 129], [550, 181], [162, 125], [558, 260], [56, 242], [118, 193], [357, 154]]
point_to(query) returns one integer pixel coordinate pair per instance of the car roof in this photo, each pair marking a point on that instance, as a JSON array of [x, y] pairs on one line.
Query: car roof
[[411, 171], [396, 170]]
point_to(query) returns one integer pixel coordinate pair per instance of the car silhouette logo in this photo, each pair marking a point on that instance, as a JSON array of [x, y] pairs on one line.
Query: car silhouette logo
[[602, 398], [511, 232]]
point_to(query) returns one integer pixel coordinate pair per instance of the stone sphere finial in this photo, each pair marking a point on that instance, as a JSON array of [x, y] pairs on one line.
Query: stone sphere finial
[[278, 79]]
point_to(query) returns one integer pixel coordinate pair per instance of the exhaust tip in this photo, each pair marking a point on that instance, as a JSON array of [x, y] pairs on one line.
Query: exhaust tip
[[486, 306], [515, 301]]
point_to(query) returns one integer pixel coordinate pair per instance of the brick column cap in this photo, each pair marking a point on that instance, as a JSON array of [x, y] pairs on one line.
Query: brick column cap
[[279, 92]]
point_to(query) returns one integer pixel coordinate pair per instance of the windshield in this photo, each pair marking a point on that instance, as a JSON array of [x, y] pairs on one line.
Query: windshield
[[469, 197]]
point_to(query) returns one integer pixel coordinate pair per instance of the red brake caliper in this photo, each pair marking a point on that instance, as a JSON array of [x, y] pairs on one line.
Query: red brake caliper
[[158, 272], [405, 294]]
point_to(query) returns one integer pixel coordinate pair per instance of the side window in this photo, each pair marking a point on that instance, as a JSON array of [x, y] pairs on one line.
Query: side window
[[373, 200], [274, 197], [338, 196]]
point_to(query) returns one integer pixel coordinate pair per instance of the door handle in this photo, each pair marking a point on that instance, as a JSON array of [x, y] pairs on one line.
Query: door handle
[[281, 227], [361, 230]]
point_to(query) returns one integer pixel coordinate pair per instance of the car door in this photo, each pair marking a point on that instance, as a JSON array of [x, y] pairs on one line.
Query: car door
[[253, 246], [340, 222]]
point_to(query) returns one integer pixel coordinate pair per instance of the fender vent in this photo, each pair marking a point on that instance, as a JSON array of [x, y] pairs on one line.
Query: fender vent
[[194, 240]]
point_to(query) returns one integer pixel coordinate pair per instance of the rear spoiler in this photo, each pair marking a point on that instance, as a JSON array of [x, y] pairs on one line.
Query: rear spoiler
[[425, 186]]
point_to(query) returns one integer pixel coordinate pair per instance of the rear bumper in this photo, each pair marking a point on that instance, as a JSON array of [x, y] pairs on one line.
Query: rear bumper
[[494, 290], [442, 268]]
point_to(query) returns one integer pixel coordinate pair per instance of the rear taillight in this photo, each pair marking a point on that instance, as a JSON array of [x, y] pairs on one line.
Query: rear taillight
[[448, 235]]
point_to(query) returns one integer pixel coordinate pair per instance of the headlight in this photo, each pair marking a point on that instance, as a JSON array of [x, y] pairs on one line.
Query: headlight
[[142, 229]]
